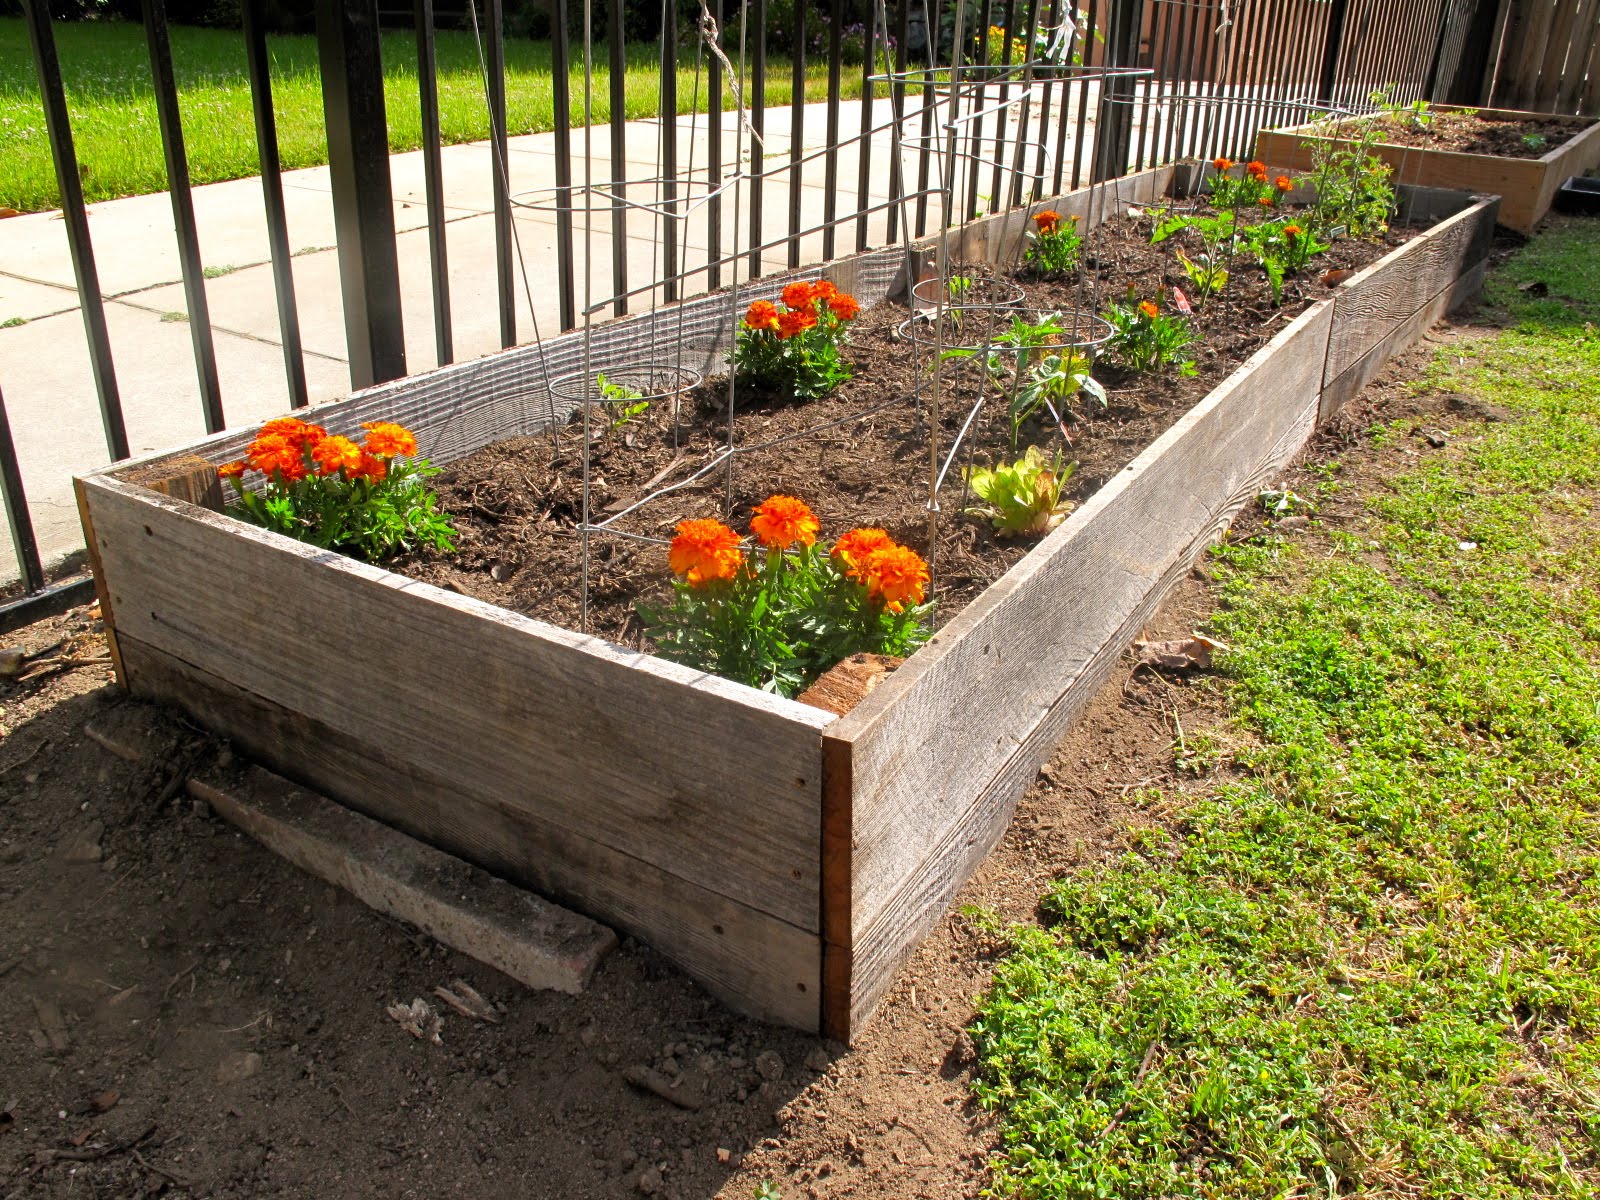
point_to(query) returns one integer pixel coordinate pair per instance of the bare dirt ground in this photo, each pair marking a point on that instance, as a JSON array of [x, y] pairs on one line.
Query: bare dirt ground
[[182, 1014]]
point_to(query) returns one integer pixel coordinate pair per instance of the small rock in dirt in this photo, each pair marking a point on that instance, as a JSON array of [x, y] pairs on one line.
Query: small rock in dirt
[[818, 1059], [12, 853], [1437, 438], [239, 1066], [104, 1101], [649, 1181], [1290, 524], [628, 1157], [85, 847], [501, 572], [769, 1065], [12, 660], [724, 1154], [500, 1078]]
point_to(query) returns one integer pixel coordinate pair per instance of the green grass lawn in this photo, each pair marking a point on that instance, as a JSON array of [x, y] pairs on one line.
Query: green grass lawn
[[1369, 962], [107, 77]]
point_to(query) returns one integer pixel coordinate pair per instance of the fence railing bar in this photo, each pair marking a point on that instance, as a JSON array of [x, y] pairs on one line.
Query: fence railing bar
[[433, 180], [561, 97], [18, 519], [1002, 118], [259, 68], [47, 602], [58, 128], [617, 90], [758, 122], [499, 144], [1083, 101], [668, 145], [830, 166], [1052, 21], [1157, 14], [194, 284], [1025, 116], [1265, 46], [976, 104], [897, 101], [924, 160], [797, 129], [864, 164], [714, 162], [1178, 116]]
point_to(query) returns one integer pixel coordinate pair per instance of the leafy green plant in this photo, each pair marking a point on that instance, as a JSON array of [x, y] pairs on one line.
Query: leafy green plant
[[1252, 188], [796, 349], [1206, 272], [628, 403], [780, 622], [1535, 141], [767, 1190], [1022, 499], [1054, 381], [1054, 245], [1283, 248], [1355, 195], [1418, 114], [1144, 338], [366, 500]]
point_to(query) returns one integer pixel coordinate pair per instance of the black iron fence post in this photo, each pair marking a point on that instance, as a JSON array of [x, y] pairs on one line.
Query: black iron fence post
[[59, 130], [1113, 131], [17, 516], [363, 202]]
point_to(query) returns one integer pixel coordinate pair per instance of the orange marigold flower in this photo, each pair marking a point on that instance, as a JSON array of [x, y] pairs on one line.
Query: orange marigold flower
[[1258, 169], [1048, 221], [1149, 309], [385, 439], [795, 321], [1284, 184], [763, 314], [704, 551], [1291, 231], [334, 454], [798, 295], [823, 290], [277, 454], [232, 470], [370, 468], [293, 428], [783, 521], [844, 306], [1266, 201], [853, 547], [1222, 164], [895, 575]]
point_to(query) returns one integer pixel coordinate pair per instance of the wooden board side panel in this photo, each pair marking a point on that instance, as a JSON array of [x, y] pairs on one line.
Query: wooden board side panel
[[751, 960], [654, 761], [1368, 307], [1001, 670]]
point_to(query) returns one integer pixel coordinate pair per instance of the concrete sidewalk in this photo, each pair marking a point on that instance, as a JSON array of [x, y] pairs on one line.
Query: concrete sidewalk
[[44, 363]]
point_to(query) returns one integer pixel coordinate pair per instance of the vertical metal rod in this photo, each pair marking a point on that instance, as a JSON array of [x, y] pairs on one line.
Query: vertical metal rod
[[433, 180], [1113, 135], [797, 131], [259, 66], [980, 97], [1083, 95], [363, 202], [930, 94], [897, 108], [17, 516], [495, 86], [669, 148], [1180, 89], [561, 95], [830, 171], [714, 167], [617, 59], [194, 283], [996, 195], [1332, 44], [58, 128], [1244, 54], [758, 122], [1052, 20], [864, 165]]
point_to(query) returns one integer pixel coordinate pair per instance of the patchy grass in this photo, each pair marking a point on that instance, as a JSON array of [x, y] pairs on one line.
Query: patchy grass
[[1372, 966], [107, 74]]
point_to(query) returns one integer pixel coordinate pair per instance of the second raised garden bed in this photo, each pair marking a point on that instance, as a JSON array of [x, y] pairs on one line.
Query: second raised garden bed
[[787, 858]]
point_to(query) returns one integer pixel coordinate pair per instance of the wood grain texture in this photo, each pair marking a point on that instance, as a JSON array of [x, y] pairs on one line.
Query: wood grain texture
[[1341, 390], [183, 476], [940, 751], [714, 782], [750, 960], [1368, 306], [101, 591]]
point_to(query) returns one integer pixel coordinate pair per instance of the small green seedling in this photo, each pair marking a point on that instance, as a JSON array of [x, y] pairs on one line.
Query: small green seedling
[[1023, 499], [629, 402], [1281, 502], [1535, 141]]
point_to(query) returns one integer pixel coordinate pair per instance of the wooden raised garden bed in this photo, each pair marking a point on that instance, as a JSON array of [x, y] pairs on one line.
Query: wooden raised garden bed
[[1525, 185], [787, 858]]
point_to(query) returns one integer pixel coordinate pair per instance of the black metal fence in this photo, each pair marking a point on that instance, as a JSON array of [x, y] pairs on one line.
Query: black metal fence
[[1050, 94]]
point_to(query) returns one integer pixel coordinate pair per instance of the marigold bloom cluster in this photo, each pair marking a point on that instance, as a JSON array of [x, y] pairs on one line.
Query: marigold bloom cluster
[[1284, 184], [784, 521], [762, 314], [705, 551], [1149, 309], [289, 449], [1257, 171], [893, 574], [1222, 164], [1292, 231], [800, 309], [1048, 221]]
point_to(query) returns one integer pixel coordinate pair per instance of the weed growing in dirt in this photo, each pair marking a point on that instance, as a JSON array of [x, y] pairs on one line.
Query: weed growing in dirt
[[367, 500], [780, 622], [1373, 966]]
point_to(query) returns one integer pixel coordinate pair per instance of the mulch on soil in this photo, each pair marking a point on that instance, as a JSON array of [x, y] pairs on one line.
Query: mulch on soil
[[859, 456], [1470, 133]]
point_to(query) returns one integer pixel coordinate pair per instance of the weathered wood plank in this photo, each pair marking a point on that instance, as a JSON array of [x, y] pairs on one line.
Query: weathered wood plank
[[1011, 671], [752, 961], [711, 781], [1369, 306], [1348, 385]]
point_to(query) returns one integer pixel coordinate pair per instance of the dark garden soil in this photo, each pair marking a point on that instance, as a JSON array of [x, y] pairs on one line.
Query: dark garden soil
[[183, 1014], [1471, 133], [858, 457]]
